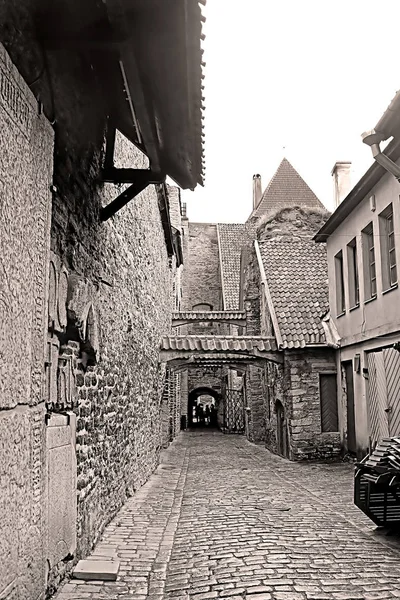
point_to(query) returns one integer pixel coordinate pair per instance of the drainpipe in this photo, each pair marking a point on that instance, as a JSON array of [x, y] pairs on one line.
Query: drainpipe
[[386, 127]]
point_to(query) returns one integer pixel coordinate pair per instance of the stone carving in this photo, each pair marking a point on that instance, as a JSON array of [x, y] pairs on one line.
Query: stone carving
[[58, 291], [62, 298], [61, 477], [26, 153], [52, 309], [15, 100]]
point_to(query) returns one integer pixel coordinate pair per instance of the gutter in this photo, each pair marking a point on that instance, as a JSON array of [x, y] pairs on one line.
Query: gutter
[[268, 297], [387, 126]]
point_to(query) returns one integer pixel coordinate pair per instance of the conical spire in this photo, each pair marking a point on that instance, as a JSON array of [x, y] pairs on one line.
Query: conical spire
[[286, 188]]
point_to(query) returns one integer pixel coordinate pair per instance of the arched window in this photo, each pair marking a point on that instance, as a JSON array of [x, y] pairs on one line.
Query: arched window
[[202, 307]]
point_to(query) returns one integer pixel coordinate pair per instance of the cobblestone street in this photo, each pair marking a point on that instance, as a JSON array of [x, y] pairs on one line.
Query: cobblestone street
[[222, 518]]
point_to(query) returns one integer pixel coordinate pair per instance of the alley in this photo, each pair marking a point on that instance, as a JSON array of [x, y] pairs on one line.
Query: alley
[[222, 518]]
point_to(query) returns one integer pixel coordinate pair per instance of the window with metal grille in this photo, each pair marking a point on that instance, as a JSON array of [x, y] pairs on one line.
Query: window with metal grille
[[388, 249], [369, 262], [328, 400], [339, 275], [352, 266]]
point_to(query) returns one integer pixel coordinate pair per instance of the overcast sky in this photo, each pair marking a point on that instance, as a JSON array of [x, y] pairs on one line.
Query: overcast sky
[[299, 78]]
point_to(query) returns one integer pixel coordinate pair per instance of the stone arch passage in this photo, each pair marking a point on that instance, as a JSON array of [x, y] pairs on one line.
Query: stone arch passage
[[195, 394]]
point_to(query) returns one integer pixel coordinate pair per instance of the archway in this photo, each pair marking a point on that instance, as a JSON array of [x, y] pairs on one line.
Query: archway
[[202, 397]]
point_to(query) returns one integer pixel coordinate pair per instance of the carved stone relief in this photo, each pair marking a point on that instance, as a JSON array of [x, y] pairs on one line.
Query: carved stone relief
[[61, 487]]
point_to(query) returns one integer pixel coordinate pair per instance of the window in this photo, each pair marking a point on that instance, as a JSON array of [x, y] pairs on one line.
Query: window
[[369, 262], [203, 307], [328, 400], [352, 266], [388, 250], [339, 275]]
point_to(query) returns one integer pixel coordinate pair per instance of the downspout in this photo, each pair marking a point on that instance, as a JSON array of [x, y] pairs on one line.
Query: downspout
[[386, 127], [268, 297]]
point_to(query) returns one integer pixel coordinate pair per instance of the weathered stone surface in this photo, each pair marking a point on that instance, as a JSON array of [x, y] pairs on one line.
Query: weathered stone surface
[[100, 570], [26, 152], [21, 501], [26, 155], [119, 304], [61, 487]]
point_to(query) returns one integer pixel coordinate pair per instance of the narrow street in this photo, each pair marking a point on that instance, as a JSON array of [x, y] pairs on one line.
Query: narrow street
[[222, 518]]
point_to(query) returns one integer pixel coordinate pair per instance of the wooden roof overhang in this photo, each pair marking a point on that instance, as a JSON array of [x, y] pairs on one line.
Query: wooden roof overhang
[[190, 350], [148, 56]]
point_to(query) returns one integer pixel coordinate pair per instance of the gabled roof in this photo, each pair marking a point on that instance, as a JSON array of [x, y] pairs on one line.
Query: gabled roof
[[285, 189], [231, 238], [297, 277]]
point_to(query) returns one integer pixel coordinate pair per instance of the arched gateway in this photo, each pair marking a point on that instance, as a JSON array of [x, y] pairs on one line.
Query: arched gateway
[[226, 353], [205, 396]]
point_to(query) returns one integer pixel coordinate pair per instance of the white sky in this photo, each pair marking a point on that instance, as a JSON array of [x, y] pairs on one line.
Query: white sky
[[295, 78]]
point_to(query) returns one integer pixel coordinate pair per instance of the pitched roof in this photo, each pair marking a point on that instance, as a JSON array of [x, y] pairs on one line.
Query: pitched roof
[[231, 238], [297, 274], [285, 189], [218, 343]]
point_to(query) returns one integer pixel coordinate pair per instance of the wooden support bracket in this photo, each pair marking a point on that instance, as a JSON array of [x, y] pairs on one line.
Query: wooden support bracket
[[141, 178]]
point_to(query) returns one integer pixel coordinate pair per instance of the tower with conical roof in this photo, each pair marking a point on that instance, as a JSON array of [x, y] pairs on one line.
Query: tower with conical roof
[[286, 189]]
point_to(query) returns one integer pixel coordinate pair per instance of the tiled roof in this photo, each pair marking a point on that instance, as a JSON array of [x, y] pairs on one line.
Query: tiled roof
[[285, 189], [218, 343], [297, 275], [212, 315], [232, 237]]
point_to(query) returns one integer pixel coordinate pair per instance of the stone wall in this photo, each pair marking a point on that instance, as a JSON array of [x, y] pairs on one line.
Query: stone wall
[[302, 397], [119, 305], [294, 385], [202, 281], [26, 158], [108, 297]]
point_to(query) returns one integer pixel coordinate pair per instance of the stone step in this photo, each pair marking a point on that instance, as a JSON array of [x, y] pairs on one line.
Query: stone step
[[96, 567]]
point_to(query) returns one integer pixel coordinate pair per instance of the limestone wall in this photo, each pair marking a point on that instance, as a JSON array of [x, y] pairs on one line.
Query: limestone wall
[[201, 278], [26, 158], [119, 304]]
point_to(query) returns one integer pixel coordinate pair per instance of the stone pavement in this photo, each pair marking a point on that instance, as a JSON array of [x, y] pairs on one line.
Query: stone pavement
[[222, 518]]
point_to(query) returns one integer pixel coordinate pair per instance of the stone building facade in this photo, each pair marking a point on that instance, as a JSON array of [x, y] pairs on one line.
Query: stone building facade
[[269, 270], [85, 403], [293, 405]]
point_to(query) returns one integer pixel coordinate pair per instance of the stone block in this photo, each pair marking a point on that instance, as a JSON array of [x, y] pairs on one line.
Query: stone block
[[100, 570], [61, 486]]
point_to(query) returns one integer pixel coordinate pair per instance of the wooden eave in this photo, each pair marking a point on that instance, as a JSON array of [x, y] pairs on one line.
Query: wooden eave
[[147, 56]]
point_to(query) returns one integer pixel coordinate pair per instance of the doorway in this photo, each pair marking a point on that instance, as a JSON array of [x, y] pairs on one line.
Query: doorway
[[351, 421], [281, 431], [203, 408]]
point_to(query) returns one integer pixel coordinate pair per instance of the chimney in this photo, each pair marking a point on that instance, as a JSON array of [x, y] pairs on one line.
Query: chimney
[[184, 210], [341, 174], [257, 192]]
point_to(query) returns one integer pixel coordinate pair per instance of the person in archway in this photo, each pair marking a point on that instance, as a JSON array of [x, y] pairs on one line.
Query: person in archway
[[207, 414], [213, 416], [199, 414]]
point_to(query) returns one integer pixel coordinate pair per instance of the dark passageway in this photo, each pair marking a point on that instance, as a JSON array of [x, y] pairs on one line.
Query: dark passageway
[[204, 408]]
